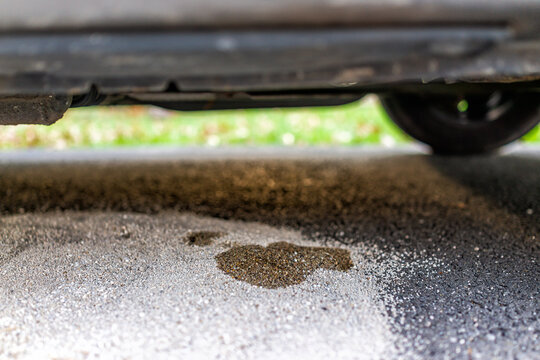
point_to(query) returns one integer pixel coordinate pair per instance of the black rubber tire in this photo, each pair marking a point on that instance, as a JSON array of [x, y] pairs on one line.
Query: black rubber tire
[[435, 120]]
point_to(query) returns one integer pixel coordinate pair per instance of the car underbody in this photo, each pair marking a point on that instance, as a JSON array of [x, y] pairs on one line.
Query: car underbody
[[207, 55]]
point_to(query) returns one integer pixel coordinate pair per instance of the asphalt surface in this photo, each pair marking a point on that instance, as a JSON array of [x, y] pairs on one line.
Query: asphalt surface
[[160, 253]]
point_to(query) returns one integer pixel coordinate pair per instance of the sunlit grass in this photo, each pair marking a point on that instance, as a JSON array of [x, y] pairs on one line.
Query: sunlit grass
[[533, 135], [359, 123]]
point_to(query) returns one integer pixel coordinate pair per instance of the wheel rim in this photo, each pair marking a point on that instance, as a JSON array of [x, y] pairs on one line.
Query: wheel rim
[[470, 109]]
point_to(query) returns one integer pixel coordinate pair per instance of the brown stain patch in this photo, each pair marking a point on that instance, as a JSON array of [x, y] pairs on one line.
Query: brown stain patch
[[202, 238], [280, 264]]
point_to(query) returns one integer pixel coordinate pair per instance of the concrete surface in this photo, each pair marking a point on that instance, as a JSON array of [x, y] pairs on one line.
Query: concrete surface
[[96, 261]]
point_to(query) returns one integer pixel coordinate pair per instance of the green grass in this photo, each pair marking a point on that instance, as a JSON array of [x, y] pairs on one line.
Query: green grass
[[359, 123], [533, 135]]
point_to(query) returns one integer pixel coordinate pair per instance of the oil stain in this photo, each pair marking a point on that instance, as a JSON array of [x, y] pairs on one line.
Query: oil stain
[[202, 238], [280, 264]]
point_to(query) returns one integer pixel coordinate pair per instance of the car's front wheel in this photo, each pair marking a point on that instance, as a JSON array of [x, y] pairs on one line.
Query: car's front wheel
[[464, 123]]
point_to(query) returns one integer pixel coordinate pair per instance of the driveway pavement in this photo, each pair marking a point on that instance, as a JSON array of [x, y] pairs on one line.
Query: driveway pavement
[[269, 253]]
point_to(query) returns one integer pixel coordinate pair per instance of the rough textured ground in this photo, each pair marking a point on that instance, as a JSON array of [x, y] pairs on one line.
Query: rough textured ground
[[445, 254]]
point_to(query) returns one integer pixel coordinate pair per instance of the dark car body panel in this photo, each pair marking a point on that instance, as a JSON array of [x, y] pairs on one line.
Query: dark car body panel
[[248, 53]]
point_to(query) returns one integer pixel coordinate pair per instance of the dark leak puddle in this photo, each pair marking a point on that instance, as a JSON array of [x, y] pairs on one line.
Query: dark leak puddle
[[202, 238], [280, 264]]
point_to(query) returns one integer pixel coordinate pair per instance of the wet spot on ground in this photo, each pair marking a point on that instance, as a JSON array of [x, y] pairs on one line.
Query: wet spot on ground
[[280, 264], [202, 238]]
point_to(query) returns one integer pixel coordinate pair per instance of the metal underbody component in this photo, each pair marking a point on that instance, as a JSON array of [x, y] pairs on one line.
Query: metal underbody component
[[43, 109], [204, 54], [133, 46], [262, 60]]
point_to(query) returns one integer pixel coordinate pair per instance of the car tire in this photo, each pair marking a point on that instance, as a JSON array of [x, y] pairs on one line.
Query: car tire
[[464, 124]]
